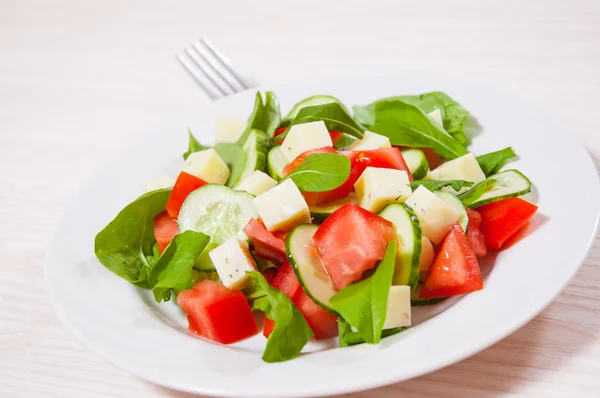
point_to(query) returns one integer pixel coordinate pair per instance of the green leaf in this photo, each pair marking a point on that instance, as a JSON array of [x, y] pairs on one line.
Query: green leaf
[[334, 115], [173, 270], [125, 244], [291, 332], [343, 142], [234, 157], [434, 185], [193, 145], [349, 338], [407, 125], [364, 304], [264, 117], [473, 195], [321, 172], [492, 162]]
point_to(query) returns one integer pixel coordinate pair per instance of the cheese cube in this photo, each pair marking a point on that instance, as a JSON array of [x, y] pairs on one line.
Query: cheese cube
[[462, 168], [228, 129], [398, 308], [378, 187], [436, 116], [370, 141], [426, 259], [159, 182], [232, 259], [208, 166], [256, 183], [435, 216], [283, 207], [303, 137]]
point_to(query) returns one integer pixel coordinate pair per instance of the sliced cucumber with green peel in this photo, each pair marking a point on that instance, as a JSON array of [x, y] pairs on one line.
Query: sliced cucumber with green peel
[[276, 162], [506, 184], [408, 238], [217, 211], [307, 265], [452, 200], [344, 142], [321, 212], [310, 101], [417, 162], [416, 301], [256, 148]]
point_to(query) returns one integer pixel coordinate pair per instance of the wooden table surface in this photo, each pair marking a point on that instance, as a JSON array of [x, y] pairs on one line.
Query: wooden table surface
[[78, 80]]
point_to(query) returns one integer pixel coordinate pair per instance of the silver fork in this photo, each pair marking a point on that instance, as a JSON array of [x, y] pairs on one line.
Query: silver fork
[[212, 70]]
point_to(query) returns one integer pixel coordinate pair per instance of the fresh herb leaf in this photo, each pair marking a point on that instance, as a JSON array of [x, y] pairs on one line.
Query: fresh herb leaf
[[492, 162], [193, 146], [473, 195], [349, 338], [173, 270], [321, 172], [343, 142], [310, 101], [264, 117], [125, 244], [434, 185], [364, 304], [407, 125], [199, 276], [291, 332], [234, 157]]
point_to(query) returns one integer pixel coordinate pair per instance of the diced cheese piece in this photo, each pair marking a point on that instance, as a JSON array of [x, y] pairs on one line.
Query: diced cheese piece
[[378, 187], [303, 137], [228, 129], [256, 183], [435, 216], [232, 259], [462, 168], [283, 207], [159, 182], [370, 141], [398, 308], [427, 255], [208, 166], [436, 116]]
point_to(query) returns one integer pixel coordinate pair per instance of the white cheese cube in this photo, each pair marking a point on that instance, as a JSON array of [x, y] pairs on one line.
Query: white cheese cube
[[462, 168], [232, 259], [256, 183], [398, 308], [208, 166], [228, 129], [436, 116], [283, 207], [303, 137], [378, 187], [427, 255], [370, 141], [435, 216], [159, 182]]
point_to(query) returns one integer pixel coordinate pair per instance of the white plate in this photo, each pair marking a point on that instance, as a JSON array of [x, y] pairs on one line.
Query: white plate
[[124, 324]]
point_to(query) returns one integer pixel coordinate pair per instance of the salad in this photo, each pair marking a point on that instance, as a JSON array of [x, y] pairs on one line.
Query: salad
[[330, 222]]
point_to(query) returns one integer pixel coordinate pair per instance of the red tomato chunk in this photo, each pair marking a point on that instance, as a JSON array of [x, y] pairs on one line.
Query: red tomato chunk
[[323, 324], [267, 245], [165, 229], [185, 184], [501, 220], [476, 238], [286, 282]]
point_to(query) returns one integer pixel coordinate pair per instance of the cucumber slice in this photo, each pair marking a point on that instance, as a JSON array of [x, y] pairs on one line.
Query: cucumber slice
[[217, 211], [506, 184], [308, 267], [321, 212], [276, 162], [417, 162], [408, 242], [344, 142], [416, 301], [452, 200], [256, 148], [310, 101]]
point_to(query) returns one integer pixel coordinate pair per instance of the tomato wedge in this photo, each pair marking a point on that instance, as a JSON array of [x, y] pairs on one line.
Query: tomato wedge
[[185, 184], [476, 238], [387, 158], [286, 282], [217, 313], [265, 243], [455, 269], [323, 324], [335, 136], [501, 220], [302, 157], [350, 241], [165, 229]]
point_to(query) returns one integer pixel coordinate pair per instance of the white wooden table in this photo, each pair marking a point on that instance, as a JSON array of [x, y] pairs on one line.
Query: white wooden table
[[78, 80]]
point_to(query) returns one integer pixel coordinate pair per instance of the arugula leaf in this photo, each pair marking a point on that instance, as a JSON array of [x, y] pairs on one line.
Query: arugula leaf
[[364, 304], [321, 172], [125, 244], [291, 332], [407, 125], [334, 115], [264, 117], [473, 195], [193, 146], [434, 185], [199, 276], [234, 157], [173, 270], [492, 162], [343, 142], [349, 338]]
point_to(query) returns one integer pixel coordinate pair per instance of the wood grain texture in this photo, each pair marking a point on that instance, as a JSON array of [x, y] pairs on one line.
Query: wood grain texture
[[78, 80]]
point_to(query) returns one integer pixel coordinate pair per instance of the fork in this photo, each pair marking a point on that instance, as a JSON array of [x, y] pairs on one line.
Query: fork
[[212, 70]]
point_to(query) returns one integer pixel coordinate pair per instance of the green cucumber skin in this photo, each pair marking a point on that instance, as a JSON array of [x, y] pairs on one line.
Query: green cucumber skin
[[310, 101], [270, 163], [478, 203], [420, 172]]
